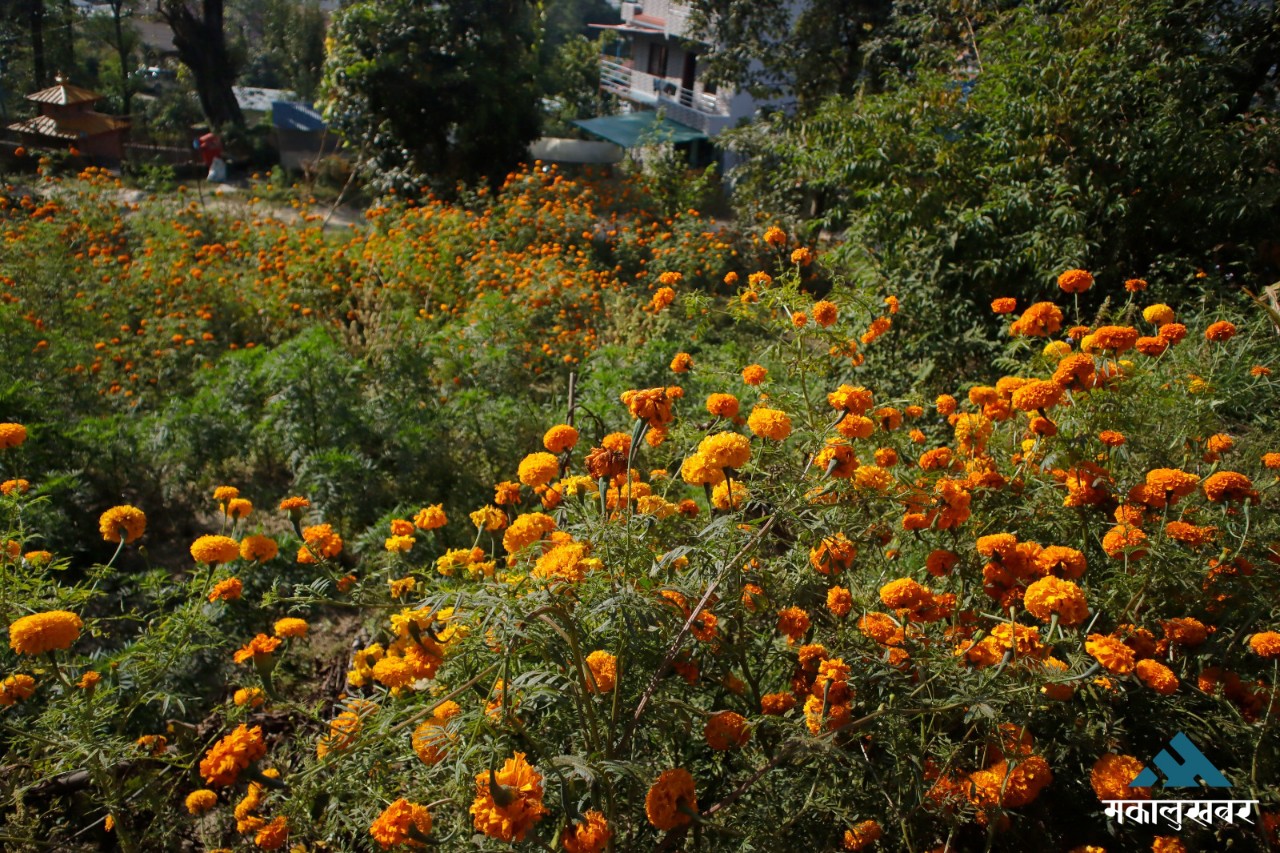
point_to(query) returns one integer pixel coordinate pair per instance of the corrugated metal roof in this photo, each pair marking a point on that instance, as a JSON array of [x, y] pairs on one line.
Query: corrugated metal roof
[[302, 117], [64, 94], [628, 130], [70, 127]]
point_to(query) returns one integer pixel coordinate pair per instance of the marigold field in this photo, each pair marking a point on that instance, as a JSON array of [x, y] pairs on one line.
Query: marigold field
[[543, 520]]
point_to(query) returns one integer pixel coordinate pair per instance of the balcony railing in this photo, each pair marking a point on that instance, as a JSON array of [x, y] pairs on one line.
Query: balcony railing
[[647, 88]]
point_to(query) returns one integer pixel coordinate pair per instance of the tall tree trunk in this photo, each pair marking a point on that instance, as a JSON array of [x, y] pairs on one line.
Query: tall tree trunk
[[122, 50], [202, 47], [35, 9]]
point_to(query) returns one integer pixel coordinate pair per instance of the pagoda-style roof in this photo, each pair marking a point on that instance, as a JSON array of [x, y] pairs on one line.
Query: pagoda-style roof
[[64, 94], [73, 127]]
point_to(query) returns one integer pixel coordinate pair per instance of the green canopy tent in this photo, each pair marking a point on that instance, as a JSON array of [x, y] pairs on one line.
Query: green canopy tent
[[628, 130]]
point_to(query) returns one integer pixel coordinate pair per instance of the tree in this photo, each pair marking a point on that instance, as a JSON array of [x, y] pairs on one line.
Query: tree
[[435, 91], [202, 46]]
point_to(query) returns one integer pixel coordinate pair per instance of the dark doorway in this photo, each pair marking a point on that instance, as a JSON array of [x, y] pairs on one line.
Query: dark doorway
[[687, 77]]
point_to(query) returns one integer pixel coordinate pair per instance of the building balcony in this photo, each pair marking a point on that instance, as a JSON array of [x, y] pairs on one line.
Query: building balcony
[[705, 111]]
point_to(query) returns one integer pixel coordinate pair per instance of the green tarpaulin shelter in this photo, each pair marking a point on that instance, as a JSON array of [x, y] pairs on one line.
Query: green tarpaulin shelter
[[627, 130]]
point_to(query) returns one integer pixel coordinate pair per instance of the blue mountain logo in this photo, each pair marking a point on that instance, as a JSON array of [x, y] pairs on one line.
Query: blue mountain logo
[[1181, 772]]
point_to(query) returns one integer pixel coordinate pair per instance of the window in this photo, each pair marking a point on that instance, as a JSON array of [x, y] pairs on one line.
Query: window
[[657, 60]]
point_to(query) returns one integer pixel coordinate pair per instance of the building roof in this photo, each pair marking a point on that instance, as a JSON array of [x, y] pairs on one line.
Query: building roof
[[259, 100], [628, 130], [63, 94], [80, 126], [300, 117]]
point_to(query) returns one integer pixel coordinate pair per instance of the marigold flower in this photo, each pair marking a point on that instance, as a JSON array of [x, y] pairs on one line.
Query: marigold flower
[[825, 313], [775, 237], [1113, 654], [754, 374], [1110, 338], [1061, 561], [429, 518], [294, 505], [16, 688], [260, 647], [1039, 320], [1158, 314], [862, 835], [53, 630], [401, 823], [215, 549], [1004, 305], [1228, 486], [769, 423], [239, 508], [725, 730], [250, 696], [722, 405], [681, 363], [291, 627], [839, 601], [793, 622], [905, 594], [224, 762], [1134, 285], [670, 800], [201, 800], [1170, 485], [227, 590], [432, 739], [1051, 595], [89, 680], [1111, 438], [834, 554], [222, 494], [538, 469], [15, 487], [1265, 644], [856, 426], [1075, 281], [127, 520], [777, 704], [722, 499], [1111, 775], [590, 835], [259, 549], [1220, 331], [520, 793], [1037, 395], [945, 404], [1157, 676], [274, 835], [12, 435], [725, 450], [940, 562], [662, 298]]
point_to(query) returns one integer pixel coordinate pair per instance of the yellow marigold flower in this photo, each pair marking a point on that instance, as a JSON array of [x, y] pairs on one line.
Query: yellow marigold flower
[[1158, 314], [53, 630], [905, 594], [777, 704], [430, 518], [604, 672], [510, 814], [1220, 331], [1228, 486], [322, 542], [1075, 281], [258, 549], [260, 647], [1265, 644], [291, 627], [224, 762], [251, 696], [16, 688], [401, 587], [1111, 775], [862, 835], [402, 822], [201, 800], [725, 730], [15, 487], [1112, 653], [825, 313], [127, 520], [590, 835], [12, 435], [489, 518], [400, 544], [754, 374], [873, 477], [1051, 595], [222, 494], [560, 438], [566, 561], [526, 530], [215, 549], [769, 423], [1157, 676], [793, 622], [538, 469], [721, 498], [839, 601], [671, 799], [227, 590], [274, 835], [239, 508], [725, 450]]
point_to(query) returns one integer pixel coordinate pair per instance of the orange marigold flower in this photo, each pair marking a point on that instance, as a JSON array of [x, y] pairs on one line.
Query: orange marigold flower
[[538, 469], [227, 590], [725, 450], [671, 800], [725, 730], [294, 504], [793, 622], [239, 508], [1004, 305], [802, 257], [663, 297], [1039, 320], [839, 601], [560, 438], [777, 704], [1112, 653], [862, 835], [878, 327], [682, 363], [53, 630], [1134, 285], [1122, 539], [215, 549], [769, 423], [1265, 644], [940, 562], [799, 319], [590, 835], [604, 672], [224, 762], [12, 435], [722, 405], [825, 313], [402, 822], [1111, 338], [754, 374], [290, 627], [260, 647], [945, 404], [775, 237], [201, 800], [258, 549], [222, 494], [1228, 486], [905, 594], [1111, 438], [1037, 395], [697, 470], [127, 520], [254, 697], [16, 688], [428, 518], [834, 554], [1075, 281], [274, 835], [1061, 561], [880, 628], [518, 804], [1170, 485], [15, 487], [1051, 595], [1220, 331], [1157, 676], [1111, 775]]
